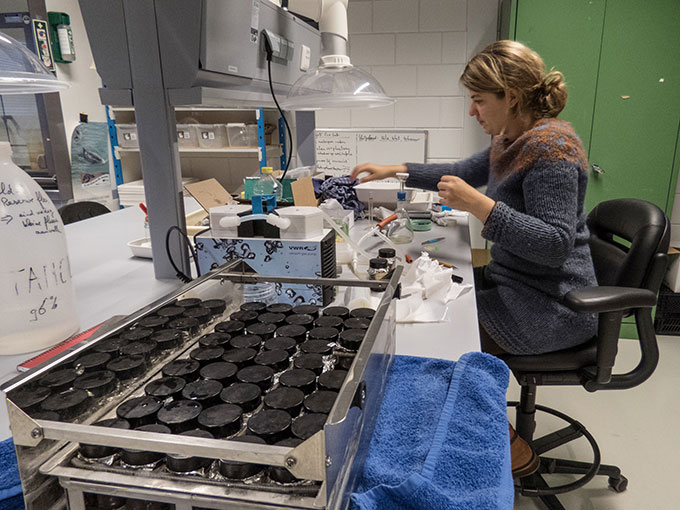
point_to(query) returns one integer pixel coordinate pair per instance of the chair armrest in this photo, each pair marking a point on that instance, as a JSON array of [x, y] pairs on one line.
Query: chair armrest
[[608, 299]]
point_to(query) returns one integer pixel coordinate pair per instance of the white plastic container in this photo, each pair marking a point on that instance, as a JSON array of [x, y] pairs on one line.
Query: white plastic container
[[237, 133], [212, 136], [251, 134], [38, 303], [127, 135], [384, 193], [187, 135]]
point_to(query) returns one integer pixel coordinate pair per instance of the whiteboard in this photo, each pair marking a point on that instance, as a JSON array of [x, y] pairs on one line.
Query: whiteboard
[[338, 151]]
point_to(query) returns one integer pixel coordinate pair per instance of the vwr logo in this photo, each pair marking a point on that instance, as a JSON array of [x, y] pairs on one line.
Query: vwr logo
[[304, 248]]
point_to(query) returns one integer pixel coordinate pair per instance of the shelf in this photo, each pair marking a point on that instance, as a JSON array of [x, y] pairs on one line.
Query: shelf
[[207, 149], [187, 109]]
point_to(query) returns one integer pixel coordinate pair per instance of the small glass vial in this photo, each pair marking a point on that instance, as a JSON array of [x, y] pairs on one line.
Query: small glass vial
[[389, 254], [377, 268]]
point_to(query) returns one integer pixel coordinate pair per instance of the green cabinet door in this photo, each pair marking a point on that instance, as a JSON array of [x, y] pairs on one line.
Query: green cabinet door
[[637, 107]]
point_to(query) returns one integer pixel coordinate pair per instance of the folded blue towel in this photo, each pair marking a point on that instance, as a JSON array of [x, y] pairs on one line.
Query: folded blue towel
[[10, 484], [441, 438]]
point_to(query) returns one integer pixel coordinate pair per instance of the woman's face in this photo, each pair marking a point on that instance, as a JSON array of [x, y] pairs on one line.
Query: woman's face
[[492, 113]]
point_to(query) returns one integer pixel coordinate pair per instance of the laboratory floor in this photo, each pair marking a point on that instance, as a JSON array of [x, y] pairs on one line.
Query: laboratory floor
[[637, 429]]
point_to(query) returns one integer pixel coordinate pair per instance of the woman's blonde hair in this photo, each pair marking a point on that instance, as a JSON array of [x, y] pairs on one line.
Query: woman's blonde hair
[[506, 65]]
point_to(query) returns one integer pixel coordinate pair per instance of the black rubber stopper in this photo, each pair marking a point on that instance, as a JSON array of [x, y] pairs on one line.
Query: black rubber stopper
[[105, 502], [345, 362], [283, 308], [139, 410], [234, 328], [222, 420], [305, 320], [307, 425], [235, 470], [328, 321], [207, 355], [186, 324], [316, 347], [362, 313], [168, 339], [327, 334], [182, 464], [29, 399], [134, 335], [204, 391], [295, 331], [189, 302], [143, 348], [337, 311], [321, 401], [281, 343], [220, 371], [246, 396], [254, 306], [99, 383], [285, 399], [356, 323], [155, 322], [351, 339], [110, 346], [165, 388], [272, 318], [45, 415], [313, 362], [215, 340], [312, 310], [180, 415], [240, 357], [216, 306], [185, 368], [92, 451], [277, 360], [142, 458], [69, 404], [200, 313], [281, 474], [300, 378], [127, 367], [92, 362], [256, 374], [272, 425], [246, 342], [59, 380], [171, 312], [332, 380], [245, 316], [266, 331]]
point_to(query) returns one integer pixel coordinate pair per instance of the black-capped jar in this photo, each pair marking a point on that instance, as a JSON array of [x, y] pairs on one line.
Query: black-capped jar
[[276, 359], [344, 359], [93, 451], [139, 410], [305, 320], [281, 343], [98, 384], [110, 346], [312, 310], [216, 306], [240, 357], [127, 367], [138, 458], [389, 254], [377, 269], [283, 308], [321, 401], [313, 362], [299, 378], [142, 348], [168, 339], [201, 314], [325, 334], [155, 322], [246, 316], [246, 342], [362, 313], [235, 470], [69, 404], [215, 340], [187, 324], [295, 331], [356, 323], [328, 321], [184, 464], [254, 306], [204, 391], [189, 303], [180, 415], [272, 425], [59, 380], [137, 334], [285, 399], [272, 318], [281, 474], [222, 420], [351, 339], [92, 362], [245, 395], [233, 328], [220, 371], [332, 380], [165, 388], [171, 312], [316, 347], [337, 311], [256, 374], [307, 425], [265, 331], [207, 355], [187, 369], [29, 399]]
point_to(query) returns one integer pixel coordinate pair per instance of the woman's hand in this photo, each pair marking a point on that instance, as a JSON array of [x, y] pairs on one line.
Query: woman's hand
[[454, 192], [376, 172]]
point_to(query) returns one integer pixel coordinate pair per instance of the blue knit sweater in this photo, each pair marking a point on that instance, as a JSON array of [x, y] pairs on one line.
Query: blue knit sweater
[[538, 227]]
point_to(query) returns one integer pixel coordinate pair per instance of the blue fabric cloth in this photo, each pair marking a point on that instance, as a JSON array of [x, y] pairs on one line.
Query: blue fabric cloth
[[341, 189], [441, 438], [10, 484]]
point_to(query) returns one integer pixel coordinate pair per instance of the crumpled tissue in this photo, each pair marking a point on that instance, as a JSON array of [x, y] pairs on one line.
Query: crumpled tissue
[[448, 217], [426, 288]]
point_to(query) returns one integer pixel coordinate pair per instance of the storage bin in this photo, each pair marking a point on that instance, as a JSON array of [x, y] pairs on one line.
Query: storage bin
[[127, 135], [187, 135], [251, 132], [238, 134], [212, 136]]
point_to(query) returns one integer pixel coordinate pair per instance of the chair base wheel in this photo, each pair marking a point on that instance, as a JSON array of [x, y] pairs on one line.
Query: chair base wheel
[[618, 484]]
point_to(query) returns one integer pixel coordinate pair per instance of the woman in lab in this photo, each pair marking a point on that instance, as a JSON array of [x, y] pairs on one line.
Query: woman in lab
[[536, 174]]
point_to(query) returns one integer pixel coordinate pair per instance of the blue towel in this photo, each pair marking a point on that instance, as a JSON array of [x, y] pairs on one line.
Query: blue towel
[[441, 439], [11, 497]]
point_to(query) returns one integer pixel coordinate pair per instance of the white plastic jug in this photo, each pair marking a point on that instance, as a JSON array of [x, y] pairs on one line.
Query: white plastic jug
[[37, 302]]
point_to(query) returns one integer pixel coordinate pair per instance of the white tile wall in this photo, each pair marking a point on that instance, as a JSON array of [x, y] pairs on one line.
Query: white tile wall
[[417, 50]]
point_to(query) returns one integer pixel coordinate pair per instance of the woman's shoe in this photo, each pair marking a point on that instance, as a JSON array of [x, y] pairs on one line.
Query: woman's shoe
[[524, 460]]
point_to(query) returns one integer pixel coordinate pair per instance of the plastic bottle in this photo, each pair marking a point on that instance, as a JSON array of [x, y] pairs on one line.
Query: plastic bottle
[[268, 185], [38, 303]]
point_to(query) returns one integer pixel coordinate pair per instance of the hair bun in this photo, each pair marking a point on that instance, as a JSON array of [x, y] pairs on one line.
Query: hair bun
[[551, 94]]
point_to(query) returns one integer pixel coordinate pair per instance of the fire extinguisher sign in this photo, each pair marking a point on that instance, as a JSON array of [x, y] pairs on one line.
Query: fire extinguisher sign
[[42, 43]]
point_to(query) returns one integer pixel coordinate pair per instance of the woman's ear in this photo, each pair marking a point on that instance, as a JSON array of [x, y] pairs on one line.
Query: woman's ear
[[512, 98]]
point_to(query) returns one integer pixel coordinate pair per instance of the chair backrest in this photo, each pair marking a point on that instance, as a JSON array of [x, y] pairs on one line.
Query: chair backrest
[[81, 211]]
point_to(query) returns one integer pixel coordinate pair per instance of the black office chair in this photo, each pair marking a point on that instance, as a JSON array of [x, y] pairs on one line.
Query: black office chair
[[77, 211], [629, 243]]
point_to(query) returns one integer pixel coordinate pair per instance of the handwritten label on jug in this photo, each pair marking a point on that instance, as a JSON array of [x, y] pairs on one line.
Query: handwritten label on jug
[[29, 280], [48, 303], [33, 213]]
